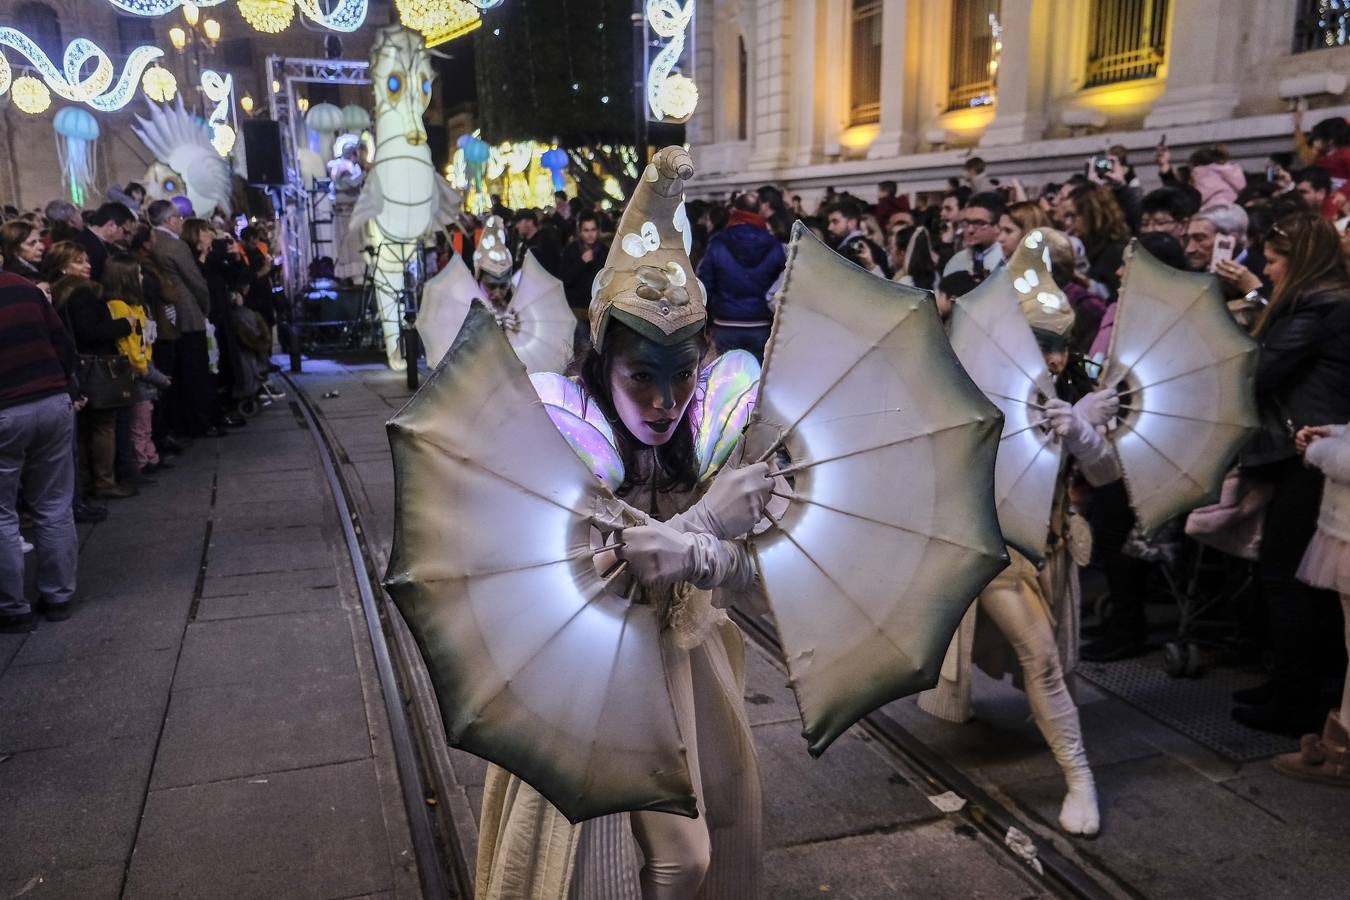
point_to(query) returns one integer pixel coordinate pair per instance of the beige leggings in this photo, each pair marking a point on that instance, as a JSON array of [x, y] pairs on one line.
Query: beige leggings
[[677, 853], [1023, 621]]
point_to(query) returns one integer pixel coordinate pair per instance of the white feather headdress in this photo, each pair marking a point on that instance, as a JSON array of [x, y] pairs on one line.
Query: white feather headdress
[[184, 144]]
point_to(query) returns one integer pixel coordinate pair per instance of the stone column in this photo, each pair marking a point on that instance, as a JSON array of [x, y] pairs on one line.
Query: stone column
[[1202, 54], [805, 146], [1020, 114], [895, 135], [772, 82]]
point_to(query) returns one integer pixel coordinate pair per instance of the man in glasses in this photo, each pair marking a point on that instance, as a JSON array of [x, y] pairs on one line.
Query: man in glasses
[[1167, 210], [107, 228], [979, 231]]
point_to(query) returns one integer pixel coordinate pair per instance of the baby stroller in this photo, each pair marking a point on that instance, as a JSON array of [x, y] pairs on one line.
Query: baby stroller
[[255, 358]]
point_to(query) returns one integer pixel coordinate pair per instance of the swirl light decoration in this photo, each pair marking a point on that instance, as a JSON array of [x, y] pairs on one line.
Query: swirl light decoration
[[219, 89], [267, 16], [439, 20], [152, 8], [670, 102], [348, 15], [98, 89]]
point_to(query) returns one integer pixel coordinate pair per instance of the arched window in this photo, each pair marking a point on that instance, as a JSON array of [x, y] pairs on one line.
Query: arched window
[[742, 91], [864, 94], [39, 22]]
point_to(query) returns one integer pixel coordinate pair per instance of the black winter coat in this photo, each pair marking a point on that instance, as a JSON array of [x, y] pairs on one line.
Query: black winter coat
[[741, 264], [80, 301], [1303, 377]]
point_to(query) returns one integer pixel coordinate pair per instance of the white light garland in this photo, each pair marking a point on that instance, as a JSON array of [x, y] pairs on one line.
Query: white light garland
[[349, 15], [219, 89], [669, 19], [150, 8], [98, 89]]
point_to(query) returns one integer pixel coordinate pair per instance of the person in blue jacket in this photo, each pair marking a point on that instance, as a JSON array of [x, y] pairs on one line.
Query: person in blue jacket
[[741, 266]]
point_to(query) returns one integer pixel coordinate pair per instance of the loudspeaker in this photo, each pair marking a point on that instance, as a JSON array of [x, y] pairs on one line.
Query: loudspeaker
[[262, 152]]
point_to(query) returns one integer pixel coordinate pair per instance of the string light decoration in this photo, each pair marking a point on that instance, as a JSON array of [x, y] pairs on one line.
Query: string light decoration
[[159, 84], [98, 89], [347, 15], [30, 95], [219, 89], [670, 20], [439, 20], [152, 8], [267, 16], [223, 138]]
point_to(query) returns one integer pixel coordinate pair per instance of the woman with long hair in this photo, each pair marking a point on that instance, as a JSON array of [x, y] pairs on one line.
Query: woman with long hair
[[921, 268], [80, 302], [1303, 380], [1095, 218], [1017, 220]]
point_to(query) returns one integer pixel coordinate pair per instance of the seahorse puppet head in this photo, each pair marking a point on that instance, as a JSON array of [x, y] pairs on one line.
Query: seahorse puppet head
[[401, 76]]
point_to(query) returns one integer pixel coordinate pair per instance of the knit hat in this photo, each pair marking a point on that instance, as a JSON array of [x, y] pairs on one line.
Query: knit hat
[[1044, 305], [492, 257], [648, 281]]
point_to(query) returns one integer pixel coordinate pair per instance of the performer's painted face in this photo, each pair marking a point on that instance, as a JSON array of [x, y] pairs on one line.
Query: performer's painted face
[[652, 385]]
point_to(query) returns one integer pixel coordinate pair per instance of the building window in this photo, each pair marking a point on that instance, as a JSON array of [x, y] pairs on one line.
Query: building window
[[742, 91], [39, 22], [1321, 24], [972, 75], [133, 32], [1127, 40], [865, 63]]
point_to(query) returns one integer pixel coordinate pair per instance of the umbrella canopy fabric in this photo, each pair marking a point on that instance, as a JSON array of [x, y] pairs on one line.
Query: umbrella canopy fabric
[[544, 327], [996, 346], [538, 322], [538, 665], [1186, 375], [446, 298], [891, 529]]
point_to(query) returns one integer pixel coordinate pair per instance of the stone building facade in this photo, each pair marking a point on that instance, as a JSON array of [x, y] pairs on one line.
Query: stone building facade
[[844, 93]]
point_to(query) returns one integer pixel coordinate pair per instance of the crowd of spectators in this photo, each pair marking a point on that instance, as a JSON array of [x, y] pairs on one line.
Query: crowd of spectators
[[127, 332]]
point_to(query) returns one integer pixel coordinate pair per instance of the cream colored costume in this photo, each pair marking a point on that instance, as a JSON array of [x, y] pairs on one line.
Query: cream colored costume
[[527, 848], [1036, 611]]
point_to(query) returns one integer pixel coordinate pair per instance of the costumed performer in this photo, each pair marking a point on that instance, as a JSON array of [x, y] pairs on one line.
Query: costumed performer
[[665, 429], [1036, 611]]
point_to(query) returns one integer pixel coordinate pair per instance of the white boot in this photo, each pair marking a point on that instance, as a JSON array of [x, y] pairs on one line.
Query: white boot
[[1079, 814]]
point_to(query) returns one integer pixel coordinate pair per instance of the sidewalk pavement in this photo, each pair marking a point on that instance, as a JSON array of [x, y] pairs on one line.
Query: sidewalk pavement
[[208, 723]]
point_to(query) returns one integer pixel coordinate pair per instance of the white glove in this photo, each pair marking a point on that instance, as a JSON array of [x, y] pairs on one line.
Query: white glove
[[733, 505], [1092, 451], [658, 554], [1098, 407]]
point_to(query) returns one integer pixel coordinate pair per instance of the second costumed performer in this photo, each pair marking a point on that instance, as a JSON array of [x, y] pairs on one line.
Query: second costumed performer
[[662, 421]]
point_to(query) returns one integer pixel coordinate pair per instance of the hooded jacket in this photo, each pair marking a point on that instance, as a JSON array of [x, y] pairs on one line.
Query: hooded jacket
[[741, 264], [1218, 183]]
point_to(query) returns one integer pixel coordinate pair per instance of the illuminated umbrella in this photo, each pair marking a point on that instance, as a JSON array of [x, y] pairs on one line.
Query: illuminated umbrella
[[891, 530], [993, 340], [1186, 375], [538, 321], [446, 298], [538, 665]]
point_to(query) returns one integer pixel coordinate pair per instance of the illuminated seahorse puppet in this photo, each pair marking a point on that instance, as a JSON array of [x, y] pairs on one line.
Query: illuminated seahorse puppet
[[404, 197]]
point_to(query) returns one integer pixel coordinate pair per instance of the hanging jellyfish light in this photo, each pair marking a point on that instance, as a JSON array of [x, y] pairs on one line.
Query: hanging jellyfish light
[[555, 161], [76, 132], [476, 153]]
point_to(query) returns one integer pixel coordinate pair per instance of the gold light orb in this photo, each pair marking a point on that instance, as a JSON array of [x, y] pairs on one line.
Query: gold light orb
[[30, 95], [223, 138], [439, 20], [159, 84], [267, 16], [679, 96], [303, 103], [246, 104]]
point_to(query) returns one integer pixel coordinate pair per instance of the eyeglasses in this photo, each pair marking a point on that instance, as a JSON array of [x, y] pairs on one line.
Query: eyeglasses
[[976, 223]]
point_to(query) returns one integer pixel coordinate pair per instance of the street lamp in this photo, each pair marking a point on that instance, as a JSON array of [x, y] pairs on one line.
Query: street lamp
[[200, 33]]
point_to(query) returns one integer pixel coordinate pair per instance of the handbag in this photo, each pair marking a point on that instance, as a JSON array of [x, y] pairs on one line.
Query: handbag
[[107, 381]]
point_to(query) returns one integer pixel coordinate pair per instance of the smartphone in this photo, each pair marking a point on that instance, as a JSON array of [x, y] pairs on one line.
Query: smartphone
[[1272, 174], [1162, 141], [1102, 165], [1224, 246]]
